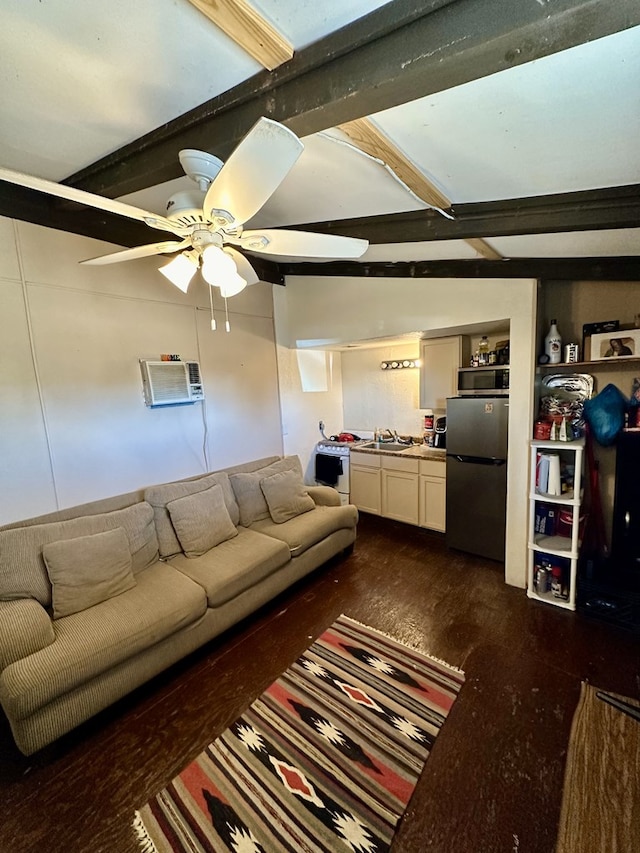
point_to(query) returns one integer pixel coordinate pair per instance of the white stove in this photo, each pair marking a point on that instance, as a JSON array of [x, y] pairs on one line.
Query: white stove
[[335, 448], [332, 449]]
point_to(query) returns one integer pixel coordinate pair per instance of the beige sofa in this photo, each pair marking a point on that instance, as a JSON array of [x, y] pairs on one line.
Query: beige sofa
[[97, 599]]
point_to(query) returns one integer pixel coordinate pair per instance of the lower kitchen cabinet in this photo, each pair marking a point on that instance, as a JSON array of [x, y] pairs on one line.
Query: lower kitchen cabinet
[[400, 489], [364, 477], [433, 494], [405, 489]]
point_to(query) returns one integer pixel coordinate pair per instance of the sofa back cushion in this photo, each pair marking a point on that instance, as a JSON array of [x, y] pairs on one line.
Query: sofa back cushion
[[22, 569], [201, 521], [246, 487], [160, 496], [87, 570]]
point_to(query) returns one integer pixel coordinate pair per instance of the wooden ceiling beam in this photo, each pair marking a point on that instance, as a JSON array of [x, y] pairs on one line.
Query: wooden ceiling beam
[[248, 29], [585, 210], [404, 50], [556, 269], [39, 208]]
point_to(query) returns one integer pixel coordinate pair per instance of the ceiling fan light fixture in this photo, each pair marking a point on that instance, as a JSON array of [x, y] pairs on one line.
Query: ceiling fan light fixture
[[180, 270], [219, 269], [232, 286]]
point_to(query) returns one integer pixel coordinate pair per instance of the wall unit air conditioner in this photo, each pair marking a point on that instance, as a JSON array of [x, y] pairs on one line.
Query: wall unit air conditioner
[[171, 383]]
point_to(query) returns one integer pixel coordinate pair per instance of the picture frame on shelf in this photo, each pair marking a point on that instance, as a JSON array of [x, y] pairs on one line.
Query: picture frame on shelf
[[590, 329], [622, 343]]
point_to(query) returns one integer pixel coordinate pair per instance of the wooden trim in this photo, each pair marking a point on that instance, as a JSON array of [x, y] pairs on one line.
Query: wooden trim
[[483, 248], [248, 29], [368, 137]]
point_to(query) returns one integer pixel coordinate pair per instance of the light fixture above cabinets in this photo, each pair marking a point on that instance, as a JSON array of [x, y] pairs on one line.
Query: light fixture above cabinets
[[399, 364]]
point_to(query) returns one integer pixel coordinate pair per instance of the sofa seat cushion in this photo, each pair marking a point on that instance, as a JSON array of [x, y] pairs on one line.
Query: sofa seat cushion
[[232, 567], [90, 642], [303, 531]]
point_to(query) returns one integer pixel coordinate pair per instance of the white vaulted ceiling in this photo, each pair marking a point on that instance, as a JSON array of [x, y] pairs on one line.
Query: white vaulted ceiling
[[82, 80]]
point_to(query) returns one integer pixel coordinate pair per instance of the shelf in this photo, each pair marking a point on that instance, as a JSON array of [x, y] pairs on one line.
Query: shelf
[[559, 546], [549, 598], [567, 499], [576, 444], [561, 551], [574, 366], [484, 367]]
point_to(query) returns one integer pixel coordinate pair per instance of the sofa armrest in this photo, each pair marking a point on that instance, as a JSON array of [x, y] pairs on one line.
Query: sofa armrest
[[324, 495], [25, 628]]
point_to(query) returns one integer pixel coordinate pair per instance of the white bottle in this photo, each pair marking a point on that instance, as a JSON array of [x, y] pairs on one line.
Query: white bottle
[[553, 344]]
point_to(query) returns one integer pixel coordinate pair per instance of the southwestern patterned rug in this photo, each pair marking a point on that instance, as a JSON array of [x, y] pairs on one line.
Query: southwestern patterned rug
[[325, 760]]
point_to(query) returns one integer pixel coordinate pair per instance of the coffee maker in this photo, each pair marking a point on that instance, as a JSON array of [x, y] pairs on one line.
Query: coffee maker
[[440, 437]]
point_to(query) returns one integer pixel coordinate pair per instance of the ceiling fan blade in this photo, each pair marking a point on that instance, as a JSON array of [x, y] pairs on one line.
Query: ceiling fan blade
[[245, 270], [90, 200], [276, 241], [254, 170], [139, 252]]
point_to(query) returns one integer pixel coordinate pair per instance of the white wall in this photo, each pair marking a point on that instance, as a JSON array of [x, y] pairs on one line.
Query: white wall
[[73, 425], [334, 311], [303, 410], [381, 398]]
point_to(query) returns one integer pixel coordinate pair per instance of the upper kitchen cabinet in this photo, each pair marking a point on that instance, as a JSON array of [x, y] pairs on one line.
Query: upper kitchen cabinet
[[440, 360]]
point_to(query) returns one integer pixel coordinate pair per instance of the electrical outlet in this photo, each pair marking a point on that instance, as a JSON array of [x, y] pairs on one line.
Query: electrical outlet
[[320, 425]]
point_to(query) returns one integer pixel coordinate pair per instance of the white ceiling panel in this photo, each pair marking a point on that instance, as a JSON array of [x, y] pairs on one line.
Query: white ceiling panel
[[98, 75], [80, 80], [304, 21], [570, 121], [436, 250], [621, 242]]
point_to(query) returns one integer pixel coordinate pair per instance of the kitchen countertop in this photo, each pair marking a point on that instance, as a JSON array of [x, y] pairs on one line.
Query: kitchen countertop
[[415, 451]]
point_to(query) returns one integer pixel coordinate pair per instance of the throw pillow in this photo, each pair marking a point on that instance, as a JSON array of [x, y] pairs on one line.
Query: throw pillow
[[201, 521], [87, 570], [160, 496], [286, 496], [246, 487]]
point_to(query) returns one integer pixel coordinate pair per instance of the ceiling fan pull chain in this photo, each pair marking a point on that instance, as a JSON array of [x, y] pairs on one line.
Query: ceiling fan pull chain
[[227, 325], [213, 319]]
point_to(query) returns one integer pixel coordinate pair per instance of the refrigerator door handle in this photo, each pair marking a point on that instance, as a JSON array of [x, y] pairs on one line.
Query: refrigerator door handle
[[479, 460]]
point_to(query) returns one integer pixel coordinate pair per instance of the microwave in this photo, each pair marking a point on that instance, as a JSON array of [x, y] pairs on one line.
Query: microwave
[[483, 381]]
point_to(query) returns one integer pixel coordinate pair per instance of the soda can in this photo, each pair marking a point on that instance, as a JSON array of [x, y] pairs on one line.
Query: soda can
[[571, 353], [542, 580]]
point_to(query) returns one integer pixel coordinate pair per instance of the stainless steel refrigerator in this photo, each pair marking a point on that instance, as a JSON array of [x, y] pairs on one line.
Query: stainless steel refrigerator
[[477, 431]]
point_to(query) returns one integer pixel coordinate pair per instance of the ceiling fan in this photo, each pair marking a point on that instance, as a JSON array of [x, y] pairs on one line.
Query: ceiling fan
[[212, 216]]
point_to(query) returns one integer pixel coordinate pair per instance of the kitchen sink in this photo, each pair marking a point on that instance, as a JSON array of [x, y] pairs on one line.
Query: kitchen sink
[[384, 445]]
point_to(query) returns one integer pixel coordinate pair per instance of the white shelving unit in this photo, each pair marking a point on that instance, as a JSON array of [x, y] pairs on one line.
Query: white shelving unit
[[563, 550]]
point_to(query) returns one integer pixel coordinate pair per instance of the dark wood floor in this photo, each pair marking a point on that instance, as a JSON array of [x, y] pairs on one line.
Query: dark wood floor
[[494, 779]]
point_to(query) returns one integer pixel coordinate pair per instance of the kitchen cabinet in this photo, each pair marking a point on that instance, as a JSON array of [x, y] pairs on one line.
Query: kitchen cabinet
[[440, 359], [432, 494], [365, 478], [400, 489], [554, 522], [404, 488]]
